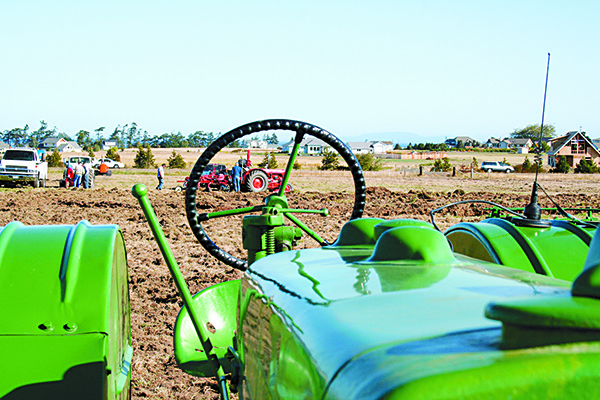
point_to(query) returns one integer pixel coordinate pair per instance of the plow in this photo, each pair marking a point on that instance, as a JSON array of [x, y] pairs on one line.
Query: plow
[[507, 307]]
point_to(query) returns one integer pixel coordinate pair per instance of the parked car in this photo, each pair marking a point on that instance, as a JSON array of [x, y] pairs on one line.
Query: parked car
[[109, 163], [496, 166]]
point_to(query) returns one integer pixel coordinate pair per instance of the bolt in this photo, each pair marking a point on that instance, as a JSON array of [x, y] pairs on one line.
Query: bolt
[[46, 326]]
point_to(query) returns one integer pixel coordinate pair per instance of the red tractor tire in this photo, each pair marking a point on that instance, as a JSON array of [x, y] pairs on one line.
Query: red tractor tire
[[257, 181]]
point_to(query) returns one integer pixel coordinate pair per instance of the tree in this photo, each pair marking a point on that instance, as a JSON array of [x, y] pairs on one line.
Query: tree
[[533, 132], [175, 160], [397, 146], [54, 159], [83, 139], [329, 160], [271, 139], [144, 158], [42, 133], [562, 167], [16, 137], [113, 154], [368, 162], [268, 161]]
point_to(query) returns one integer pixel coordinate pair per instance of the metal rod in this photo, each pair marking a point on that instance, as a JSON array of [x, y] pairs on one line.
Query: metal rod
[[290, 164], [140, 192], [543, 114]]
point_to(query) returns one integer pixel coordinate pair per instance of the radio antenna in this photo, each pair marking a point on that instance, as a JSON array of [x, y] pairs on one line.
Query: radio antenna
[[533, 210]]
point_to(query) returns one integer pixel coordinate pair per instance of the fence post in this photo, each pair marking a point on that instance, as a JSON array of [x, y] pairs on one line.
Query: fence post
[[453, 171], [471, 172], [420, 170]]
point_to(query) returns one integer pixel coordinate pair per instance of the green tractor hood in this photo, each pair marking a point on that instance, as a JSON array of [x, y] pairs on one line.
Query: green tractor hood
[[405, 319]]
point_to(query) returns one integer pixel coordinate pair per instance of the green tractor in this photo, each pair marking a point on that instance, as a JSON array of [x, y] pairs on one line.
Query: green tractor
[[505, 308]]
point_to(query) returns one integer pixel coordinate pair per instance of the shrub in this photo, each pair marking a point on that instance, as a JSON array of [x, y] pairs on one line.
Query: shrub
[[527, 167], [441, 165], [329, 161], [586, 167], [368, 162], [268, 161], [175, 160], [562, 166], [297, 165], [144, 158], [54, 159], [113, 154]]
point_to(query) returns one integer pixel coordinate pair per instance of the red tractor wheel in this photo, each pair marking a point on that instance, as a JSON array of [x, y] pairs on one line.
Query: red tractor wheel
[[257, 181]]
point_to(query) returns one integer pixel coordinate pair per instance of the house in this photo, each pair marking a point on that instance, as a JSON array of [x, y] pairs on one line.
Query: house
[[51, 143], [377, 147], [254, 144], [309, 146], [492, 143], [69, 147], [360, 147], [109, 144], [575, 146], [382, 147], [457, 141], [522, 145]]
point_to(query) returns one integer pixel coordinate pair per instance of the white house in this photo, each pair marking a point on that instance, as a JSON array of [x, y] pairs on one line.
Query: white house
[[382, 147], [108, 144], [51, 143], [376, 146], [308, 146], [360, 147], [69, 147]]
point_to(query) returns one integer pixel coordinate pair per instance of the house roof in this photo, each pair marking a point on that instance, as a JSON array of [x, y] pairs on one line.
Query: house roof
[[71, 144], [360, 145], [386, 142], [521, 141], [51, 141], [560, 142], [308, 141]]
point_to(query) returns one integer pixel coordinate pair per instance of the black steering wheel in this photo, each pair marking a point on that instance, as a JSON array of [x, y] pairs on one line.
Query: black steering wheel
[[301, 129]]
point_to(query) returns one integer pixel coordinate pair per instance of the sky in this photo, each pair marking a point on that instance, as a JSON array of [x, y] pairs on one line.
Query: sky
[[432, 68]]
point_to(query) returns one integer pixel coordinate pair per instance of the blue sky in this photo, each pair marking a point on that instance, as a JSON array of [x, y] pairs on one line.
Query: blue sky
[[433, 68]]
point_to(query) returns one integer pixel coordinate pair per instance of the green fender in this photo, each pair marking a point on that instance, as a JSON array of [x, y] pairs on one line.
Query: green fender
[[217, 305], [65, 331], [556, 250]]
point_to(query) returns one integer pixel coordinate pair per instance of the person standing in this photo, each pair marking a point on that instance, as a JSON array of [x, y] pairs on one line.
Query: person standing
[[79, 172], [161, 176], [236, 172]]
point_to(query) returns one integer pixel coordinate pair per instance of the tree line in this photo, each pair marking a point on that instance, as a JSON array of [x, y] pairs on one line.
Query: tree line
[[126, 136]]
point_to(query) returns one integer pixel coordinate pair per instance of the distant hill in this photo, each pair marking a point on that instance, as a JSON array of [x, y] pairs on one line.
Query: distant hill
[[402, 138]]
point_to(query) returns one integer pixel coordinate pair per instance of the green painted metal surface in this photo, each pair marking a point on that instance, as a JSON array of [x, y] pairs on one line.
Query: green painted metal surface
[[217, 306], [405, 318], [558, 249], [65, 331]]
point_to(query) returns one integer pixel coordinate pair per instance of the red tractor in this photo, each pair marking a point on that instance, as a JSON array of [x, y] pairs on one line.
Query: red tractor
[[259, 179], [217, 177]]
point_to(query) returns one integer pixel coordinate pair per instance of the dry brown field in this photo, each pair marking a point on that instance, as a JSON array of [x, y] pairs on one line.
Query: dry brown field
[[394, 192]]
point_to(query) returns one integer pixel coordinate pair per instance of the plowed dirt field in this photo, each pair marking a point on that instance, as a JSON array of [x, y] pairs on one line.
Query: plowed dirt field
[[154, 301]]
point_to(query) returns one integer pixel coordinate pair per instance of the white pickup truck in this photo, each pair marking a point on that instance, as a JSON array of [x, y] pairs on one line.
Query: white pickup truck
[[23, 165]]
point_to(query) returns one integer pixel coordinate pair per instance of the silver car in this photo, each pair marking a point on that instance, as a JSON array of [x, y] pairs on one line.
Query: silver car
[[496, 166]]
